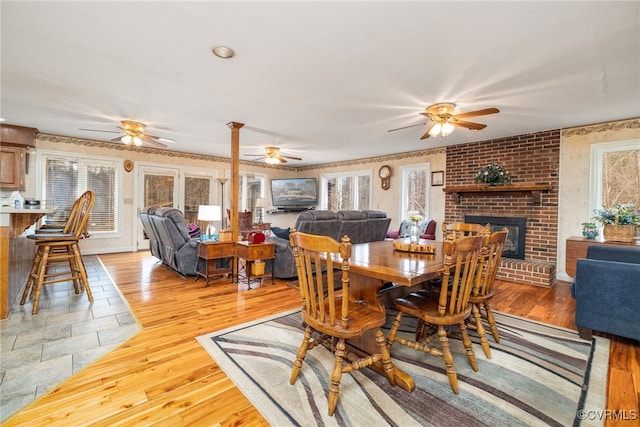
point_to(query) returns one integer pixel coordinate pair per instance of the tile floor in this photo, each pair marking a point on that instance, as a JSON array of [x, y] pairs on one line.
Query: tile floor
[[68, 333]]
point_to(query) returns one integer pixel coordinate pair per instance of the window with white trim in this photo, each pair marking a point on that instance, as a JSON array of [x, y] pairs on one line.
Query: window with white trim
[[64, 177], [615, 174], [415, 190], [346, 191]]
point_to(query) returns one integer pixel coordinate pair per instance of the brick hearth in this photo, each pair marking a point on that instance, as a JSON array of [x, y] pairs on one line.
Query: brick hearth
[[532, 158]]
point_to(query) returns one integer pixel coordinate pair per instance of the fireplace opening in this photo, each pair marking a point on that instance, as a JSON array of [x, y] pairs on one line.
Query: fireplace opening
[[517, 226]]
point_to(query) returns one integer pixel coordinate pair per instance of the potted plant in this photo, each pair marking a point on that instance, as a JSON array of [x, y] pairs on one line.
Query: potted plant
[[590, 230], [619, 222], [493, 174]]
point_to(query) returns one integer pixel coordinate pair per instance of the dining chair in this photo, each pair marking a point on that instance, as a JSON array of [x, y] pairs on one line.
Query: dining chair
[[449, 307], [332, 319], [483, 290], [461, 229], [57, 250]]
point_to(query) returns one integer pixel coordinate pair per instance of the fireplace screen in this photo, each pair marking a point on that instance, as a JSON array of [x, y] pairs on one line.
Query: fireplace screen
[[517, 226]]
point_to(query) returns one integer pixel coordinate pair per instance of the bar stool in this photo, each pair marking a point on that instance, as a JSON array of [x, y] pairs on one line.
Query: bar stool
[[60, 249]]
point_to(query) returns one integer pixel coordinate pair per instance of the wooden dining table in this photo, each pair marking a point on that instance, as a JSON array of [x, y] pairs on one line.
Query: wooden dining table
[[376, 263]]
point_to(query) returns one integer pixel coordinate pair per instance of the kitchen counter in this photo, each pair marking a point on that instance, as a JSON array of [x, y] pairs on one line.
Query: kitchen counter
[[15, 225]]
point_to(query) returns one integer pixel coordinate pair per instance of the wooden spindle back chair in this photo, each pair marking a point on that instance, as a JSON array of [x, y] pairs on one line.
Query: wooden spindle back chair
[[449, 307], [330, 313]]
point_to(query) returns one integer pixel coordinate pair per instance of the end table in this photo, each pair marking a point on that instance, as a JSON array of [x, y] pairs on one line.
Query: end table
[[251, 252], [211, 250]]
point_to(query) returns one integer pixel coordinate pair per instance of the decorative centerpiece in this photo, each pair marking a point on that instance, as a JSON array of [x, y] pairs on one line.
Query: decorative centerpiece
[[590, 230], [619, 222], [414, 232], [493, 174]]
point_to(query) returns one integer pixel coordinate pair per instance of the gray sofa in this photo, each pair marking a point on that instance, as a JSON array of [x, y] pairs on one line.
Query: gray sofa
[[169, 239], [361, 227], [606, 289]]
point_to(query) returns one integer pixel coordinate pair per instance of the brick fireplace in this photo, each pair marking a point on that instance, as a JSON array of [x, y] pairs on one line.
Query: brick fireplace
[[533, 162]]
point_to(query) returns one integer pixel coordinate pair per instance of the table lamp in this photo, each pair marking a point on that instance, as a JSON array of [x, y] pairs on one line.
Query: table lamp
[[209, 213], [260, 205]]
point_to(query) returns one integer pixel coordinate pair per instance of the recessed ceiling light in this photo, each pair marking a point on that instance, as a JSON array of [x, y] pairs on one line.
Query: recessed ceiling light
[[223, 52]]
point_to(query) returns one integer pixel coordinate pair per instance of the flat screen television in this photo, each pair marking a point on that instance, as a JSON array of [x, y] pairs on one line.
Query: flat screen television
[[294, 193]]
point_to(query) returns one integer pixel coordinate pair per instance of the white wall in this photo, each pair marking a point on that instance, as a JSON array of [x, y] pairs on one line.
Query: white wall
[[575, 172]]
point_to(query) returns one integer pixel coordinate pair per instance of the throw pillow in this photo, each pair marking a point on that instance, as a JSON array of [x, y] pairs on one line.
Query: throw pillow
[[282, 233]]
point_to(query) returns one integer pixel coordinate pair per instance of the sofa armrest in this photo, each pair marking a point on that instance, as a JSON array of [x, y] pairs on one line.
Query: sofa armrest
[[393, 234], [606, 297], [614, 253]]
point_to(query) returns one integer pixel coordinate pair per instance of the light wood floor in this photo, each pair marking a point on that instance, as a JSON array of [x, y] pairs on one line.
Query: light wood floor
[[163, 376]]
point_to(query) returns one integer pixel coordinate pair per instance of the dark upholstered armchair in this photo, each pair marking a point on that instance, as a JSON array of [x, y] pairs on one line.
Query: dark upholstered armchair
[[427, 230], [606, 290]]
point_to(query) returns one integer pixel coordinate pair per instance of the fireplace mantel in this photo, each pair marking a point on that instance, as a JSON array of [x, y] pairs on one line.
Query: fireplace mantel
[[534, 189]]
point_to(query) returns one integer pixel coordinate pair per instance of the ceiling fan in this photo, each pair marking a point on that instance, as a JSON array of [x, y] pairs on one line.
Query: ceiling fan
[[134, 132], [272, 156], [442, 120]]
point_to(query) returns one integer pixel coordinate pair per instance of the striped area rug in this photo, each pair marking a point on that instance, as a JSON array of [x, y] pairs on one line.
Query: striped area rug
[[538, 375]]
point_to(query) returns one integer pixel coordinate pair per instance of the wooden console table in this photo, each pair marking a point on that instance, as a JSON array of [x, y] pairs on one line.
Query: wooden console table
[[576, 247]]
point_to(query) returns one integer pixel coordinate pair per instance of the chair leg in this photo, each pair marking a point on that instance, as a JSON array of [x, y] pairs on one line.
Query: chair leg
[[468, 346], [302, 352], [395, 325], [31, 279], [336, 376], [448, 359], [84, 280], [481, 331], [492, 322], [37, 287], [386, 357]]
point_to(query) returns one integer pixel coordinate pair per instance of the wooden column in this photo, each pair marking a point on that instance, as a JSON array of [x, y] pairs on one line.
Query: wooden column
[[235, 177]]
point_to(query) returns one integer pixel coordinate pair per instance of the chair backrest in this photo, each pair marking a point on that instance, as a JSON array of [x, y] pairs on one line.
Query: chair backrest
[[79, 216], [311, 252], [462, 259], [493, 246], [461, 229]]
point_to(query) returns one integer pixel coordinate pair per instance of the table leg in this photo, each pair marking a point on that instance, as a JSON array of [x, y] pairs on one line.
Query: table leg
[[365, 289]]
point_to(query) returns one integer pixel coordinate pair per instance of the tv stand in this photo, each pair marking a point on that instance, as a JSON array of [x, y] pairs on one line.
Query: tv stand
[[290, 209]]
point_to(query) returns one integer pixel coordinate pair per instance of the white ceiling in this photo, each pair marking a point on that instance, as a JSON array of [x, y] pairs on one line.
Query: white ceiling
[[322, 80]]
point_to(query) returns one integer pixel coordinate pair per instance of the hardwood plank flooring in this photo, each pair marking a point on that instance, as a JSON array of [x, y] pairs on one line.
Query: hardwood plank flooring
[[162, 376]]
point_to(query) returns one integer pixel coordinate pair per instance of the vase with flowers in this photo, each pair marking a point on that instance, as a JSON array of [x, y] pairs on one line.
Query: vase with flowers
[[414, 231], [493, 174], [619, 223]]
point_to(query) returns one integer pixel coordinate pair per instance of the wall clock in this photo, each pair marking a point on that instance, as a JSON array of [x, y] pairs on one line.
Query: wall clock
[[128, 165], [385, 176]]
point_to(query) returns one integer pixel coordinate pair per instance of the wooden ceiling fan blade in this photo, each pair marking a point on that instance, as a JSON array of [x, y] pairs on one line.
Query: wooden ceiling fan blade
[[99, 130], [407, 127], [118, 139], [291, 157], [468, 125], [151, 141], [160, 139], [426, 133], [281, 159], [477, 113]]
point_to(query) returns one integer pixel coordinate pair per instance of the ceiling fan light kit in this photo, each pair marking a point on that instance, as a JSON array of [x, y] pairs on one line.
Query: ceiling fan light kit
[[272, 156], [134, 132]]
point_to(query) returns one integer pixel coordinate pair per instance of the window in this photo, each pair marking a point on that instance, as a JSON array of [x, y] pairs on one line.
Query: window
[[251, 188], [346, 191], [66, 176], [615, 174], [415, 190]]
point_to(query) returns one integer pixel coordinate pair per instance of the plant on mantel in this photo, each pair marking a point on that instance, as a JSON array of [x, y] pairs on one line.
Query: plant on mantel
[[493, 174]]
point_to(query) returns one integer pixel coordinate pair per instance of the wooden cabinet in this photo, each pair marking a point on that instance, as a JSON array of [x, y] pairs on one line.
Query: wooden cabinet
[[576, 247], [252, 252], [12, 167], [15, 140]]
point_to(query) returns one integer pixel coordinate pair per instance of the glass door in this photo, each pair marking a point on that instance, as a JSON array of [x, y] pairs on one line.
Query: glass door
[[157, 187]]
